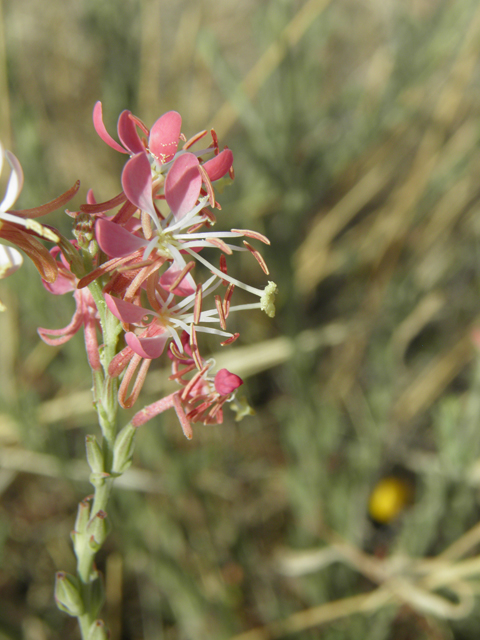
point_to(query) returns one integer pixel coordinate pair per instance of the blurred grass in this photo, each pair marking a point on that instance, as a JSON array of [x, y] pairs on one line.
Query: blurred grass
[[355, 132]]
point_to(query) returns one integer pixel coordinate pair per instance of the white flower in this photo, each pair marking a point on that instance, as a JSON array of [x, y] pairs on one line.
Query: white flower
[[10, 258]]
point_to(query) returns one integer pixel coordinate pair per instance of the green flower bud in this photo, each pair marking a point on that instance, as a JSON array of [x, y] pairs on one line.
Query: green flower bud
[[83, 515], [97, 530], [97, 595], [72, 256], [98, 631], [123, 449], [94, 455], [67, 594]]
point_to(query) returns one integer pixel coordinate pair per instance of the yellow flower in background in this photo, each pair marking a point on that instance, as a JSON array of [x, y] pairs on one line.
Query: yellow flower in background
[[390, 496]]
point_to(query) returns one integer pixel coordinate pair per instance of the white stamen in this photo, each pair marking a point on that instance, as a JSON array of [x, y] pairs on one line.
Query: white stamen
[[224, 276]]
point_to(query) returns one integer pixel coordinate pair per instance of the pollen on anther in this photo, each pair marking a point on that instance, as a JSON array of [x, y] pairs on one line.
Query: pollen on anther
[[221, 315], [223, 268], [257, 257], [252, 234], [197, 309], [215, 140], [228, 297], [191, 141], [220, 244], [230, 340], [208, 185], [194, 347], [183, 273]]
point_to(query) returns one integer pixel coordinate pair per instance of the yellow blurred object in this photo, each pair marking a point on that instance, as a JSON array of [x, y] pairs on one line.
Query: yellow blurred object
[[389, 498]]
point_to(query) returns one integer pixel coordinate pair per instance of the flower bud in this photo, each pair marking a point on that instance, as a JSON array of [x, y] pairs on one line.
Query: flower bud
[[97, 530], [84, 229], [98, 631], [67, 594], [97, 594], [94, 454], [72, 256], [123, 449], [83, 515], [81, 522]]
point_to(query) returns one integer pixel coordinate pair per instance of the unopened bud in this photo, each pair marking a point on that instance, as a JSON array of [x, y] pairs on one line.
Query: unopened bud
[[97, 595], [72, 256], [97, 530], [81, 522], [84, 229], [98, 631], [123, 449], [67, 594], [94, 454]]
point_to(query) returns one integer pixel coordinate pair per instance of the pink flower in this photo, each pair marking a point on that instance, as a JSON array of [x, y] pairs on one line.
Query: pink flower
[[201, 399], [172, 241], [168, 318], [86, 314], [155, 163]]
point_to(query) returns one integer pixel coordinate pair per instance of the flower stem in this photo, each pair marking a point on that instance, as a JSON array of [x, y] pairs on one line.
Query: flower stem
[[91, 527]]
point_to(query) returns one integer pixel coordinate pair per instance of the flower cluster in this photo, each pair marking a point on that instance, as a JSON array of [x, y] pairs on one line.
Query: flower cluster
[[145, 284], [144, 248]]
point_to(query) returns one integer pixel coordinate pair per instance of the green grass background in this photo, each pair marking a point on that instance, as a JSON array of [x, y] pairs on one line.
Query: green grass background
[[355, 130]]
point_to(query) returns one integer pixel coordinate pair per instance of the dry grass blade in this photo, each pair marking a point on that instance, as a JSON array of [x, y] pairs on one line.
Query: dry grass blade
[[395, 585], [313, 255], [319, 615], [227, 115], [20, 460], [434, 377], [426, 309]]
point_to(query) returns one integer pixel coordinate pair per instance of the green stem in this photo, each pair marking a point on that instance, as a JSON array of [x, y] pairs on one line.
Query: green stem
[[88, 541]]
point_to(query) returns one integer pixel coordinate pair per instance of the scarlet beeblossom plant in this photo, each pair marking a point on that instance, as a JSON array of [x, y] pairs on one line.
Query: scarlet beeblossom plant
[[144, 288]]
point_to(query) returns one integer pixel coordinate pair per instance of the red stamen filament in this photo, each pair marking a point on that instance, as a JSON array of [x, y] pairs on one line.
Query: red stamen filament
[[198, 136], [221, 315], [184, 272], [197, 308], [208, 185], [252, 234], [257, 257]]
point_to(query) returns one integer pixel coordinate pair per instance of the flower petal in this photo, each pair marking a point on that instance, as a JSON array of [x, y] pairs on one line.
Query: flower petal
[[137, 183], [63, 284], [101, 130], [218, 166], [183, 184], [55, 337], [46, 265], [186, 286], [48, 207], [15, 183], [90, 197], [116, 241], [164, 135], [147, 347], [10, 260], [226, 382], [126, 311], [127, 132]]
